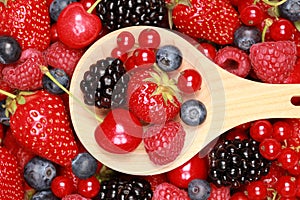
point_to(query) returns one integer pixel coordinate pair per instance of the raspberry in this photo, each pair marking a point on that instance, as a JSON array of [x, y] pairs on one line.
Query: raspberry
[[74, 197], [219, 193], [273, 62], [294, 76], [233, 60], [26, 73], [61, 56], [163, 143], [168, 191]]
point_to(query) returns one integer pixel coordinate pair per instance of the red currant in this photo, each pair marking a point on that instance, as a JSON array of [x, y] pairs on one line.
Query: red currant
[[288, 158], [89, 187], [149, 38], [275, 171], [260, 130], [208, 50], [281, 131], [286, 186], [189, 81], [257, 190], [144, 57], [118, 53], [281, 29], [236, 133], [239, 196], [62, 186], [251, 15], [196, 167], [298, 186], [295, 171], [125, 41], [130, 63], [53, 33], [270, 148]]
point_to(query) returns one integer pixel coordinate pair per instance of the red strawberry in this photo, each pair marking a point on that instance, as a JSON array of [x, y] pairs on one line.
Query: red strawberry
[[41, 124], [61, 56], [167, 191], [11, 184], [26, 74], [28, 21], [219, 193], [156, 100], [164, 142], [233, 60], [273, 62], [23, 155], [214, 20]]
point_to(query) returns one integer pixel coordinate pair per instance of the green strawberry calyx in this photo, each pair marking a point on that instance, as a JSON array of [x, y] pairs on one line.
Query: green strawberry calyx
[[166, 87]]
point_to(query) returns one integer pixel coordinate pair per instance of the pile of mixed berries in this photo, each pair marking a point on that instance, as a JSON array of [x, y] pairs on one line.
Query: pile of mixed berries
[[40, 154]]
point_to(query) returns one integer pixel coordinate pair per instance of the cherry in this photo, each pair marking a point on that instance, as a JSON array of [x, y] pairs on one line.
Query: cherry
[[87, 4], [62, 186], [281, 131], [260, 130], [288, 158], [270, 148], [89, 187], [194, 168], [149, 38], [208, 50], [120, 132], [76, 27], [257, 190], [251, 14], [281, 29], [144, 57], [189, 81], [125, 41], [286, 186], [236, 133]]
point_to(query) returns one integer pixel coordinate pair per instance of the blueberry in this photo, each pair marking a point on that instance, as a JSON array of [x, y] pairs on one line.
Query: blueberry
[[168, 58], [44, 195], [57, 6], [10, 50], [84, 165], [61, 76], [3, 118], [199, 189], [246, 36], [193, 112], [290, 10], [39, 173]]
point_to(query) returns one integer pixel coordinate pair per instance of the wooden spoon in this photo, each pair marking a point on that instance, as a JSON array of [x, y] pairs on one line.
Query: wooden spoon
[[230, 101]]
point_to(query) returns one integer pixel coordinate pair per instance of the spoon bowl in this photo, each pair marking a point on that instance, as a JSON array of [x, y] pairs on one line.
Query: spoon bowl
[[229, 100]]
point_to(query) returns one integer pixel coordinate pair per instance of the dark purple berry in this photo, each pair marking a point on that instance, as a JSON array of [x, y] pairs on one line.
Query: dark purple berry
[[246, 36], [10, 50]]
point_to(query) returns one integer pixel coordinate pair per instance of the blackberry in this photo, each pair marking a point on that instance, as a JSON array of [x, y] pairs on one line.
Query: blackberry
[[119, 189], [105, 84], [116, 14], [235, 162]]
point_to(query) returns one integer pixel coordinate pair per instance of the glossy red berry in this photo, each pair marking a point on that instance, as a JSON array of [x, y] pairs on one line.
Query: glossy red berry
[[236, 133], [251, 15], [286, 186], [125, 41], [189, 81], [62, 186], [295, 171], [208, 50], [288, 158], [281, 29], [89, 188], [270, 148], [87, 4], [144, 57], [260, 130], [149, 38], [298, 187], [196, 167], [239, 196], [130, 63], [118, 53], [281, 131], [257, 190], [53, 33]]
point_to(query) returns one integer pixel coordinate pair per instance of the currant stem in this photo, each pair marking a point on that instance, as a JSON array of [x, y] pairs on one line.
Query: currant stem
[[90, 10], [274, 3], [268, 23], [45, 71]]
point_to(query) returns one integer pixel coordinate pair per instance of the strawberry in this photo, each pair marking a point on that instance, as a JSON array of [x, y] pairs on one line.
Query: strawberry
[[214, 20], [168, 191], [23, 155], [163, 143], [272, 61], [26, 74], [11, 184], [41, 124], [219, 193], [28, 21], [61, 56], [156, 100]]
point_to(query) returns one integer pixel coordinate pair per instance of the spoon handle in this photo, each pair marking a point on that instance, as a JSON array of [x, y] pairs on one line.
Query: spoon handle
[[247, 100]]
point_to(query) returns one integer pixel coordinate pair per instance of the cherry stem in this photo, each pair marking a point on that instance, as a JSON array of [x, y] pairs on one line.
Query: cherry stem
[[90, 10], [45, 71], [10, 95]]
